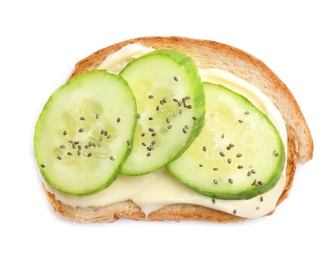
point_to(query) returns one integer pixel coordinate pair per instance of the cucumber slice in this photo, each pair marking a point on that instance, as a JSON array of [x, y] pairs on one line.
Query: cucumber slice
[[85, 131], [171, 108], [239, 153]]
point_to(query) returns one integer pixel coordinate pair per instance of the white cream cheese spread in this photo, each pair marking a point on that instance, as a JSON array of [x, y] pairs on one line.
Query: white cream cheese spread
[[156, 190]]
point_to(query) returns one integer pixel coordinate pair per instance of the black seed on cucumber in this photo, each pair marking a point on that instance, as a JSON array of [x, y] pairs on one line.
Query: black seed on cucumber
[[276, 153], [76, 106], [254, 143]]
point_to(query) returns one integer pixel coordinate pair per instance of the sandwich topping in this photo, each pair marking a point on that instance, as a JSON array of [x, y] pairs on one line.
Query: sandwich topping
[[163, 186]]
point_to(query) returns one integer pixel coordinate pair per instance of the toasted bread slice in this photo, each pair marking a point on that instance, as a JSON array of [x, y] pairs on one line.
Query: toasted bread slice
[[207, 54]]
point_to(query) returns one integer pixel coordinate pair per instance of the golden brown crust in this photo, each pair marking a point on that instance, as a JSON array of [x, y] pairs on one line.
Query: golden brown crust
[[207, 54]]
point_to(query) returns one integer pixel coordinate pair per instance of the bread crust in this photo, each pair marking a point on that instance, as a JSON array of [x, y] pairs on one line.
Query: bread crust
[[206, 54]]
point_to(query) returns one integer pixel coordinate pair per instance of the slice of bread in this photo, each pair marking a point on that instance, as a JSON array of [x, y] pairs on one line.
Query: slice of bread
[[207, 54]]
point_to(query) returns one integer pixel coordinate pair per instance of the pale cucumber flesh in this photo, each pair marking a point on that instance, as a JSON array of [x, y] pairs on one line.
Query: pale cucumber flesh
[[85, 132], [239, 153], [171, 108]]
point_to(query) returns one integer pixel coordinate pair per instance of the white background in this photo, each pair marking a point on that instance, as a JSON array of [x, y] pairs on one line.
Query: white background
[[40, 43]]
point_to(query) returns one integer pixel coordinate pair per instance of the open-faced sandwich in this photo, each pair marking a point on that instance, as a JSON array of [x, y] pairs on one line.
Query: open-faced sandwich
[[170, 128]]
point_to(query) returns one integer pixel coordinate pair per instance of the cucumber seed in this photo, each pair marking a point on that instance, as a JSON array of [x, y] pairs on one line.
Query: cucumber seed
[[82, 118], [65, 132], [118, 119], [204, 148], [215, 181], [43, 165], [81, 130], [176, 78], [59, 157], [112, 158]]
